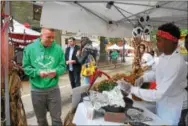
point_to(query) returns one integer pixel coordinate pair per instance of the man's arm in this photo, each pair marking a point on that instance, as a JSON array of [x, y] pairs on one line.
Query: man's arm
[[171, 77], [61, 68], [149, 76], [27, 66]]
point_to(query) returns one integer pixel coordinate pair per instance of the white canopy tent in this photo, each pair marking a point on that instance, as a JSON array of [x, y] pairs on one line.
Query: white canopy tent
[[127, 47], [111, 19], [21, 29], [21, 35], [114, 46], [94, 44]]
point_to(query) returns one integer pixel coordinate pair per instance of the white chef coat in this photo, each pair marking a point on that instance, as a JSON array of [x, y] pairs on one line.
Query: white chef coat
[[170, 93], [186, 58]]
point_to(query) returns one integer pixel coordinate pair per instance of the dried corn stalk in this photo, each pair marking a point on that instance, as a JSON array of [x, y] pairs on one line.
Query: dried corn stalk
[[17, 111], [137, 70]]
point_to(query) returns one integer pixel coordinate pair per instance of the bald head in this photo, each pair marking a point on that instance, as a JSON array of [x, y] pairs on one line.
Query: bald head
[[47, 36], [47, 29]]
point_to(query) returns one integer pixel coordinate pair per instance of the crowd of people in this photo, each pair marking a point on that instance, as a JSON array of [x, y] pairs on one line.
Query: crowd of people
[[44, 61]]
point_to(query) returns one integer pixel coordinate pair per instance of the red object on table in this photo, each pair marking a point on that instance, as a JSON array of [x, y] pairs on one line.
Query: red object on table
[[97, 73], [152, 85], [115, 117]]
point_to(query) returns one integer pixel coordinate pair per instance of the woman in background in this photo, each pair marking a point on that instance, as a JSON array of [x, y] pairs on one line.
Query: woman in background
[[147, 60], [84, 54]]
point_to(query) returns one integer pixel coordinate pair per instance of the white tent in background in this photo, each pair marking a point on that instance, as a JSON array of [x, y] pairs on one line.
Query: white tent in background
[[127, 47], [21, 29], [114, 46], [21, 35], [95, 44]]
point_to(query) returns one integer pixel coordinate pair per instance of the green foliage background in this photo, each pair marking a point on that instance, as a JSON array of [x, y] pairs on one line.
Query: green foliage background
[[114, 40]]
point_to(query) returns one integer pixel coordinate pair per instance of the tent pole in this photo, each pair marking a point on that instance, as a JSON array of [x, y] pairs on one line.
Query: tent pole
[[91, 12], [145, 11], [145, 5], [123, 15], [7, 101], [88, 1], [153, 6], [137, 4], [124, 10], [24, 37], [123, 50]]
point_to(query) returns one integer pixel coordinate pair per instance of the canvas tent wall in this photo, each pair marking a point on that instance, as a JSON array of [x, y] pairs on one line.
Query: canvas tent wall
[[115, 19]]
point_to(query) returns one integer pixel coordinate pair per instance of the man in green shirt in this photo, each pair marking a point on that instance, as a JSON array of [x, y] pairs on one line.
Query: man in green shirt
[[114, 56], [43, 62]]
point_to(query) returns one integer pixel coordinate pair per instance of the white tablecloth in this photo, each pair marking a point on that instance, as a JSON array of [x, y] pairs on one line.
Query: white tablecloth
[[80, 117], [151, 106]]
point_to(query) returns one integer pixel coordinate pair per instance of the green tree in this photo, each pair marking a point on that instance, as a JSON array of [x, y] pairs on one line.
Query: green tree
[[184, 32], [102, 50], [114, 40], [58, 36]]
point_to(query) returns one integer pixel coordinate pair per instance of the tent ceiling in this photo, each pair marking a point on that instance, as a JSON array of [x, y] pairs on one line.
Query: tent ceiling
[[122, 13]]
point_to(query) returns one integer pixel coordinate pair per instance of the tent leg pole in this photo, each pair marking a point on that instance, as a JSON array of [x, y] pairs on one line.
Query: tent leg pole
[[7, 101], [123, 50]]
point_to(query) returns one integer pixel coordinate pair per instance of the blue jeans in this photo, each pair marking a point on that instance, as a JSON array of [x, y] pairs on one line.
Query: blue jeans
[[86, 80]]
